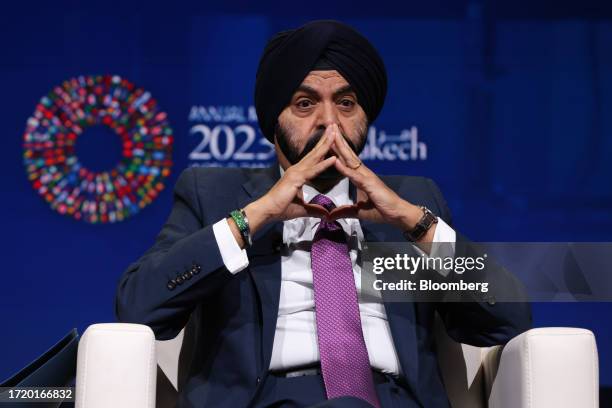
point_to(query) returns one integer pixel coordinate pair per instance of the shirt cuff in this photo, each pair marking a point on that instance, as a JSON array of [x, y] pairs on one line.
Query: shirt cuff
[[234, 258], [446, 235]]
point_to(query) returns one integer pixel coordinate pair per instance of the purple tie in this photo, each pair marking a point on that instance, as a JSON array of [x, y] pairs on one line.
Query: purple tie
[[344, 358]]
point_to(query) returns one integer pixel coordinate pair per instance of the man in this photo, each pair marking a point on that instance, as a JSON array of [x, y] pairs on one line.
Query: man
[[273, 291]]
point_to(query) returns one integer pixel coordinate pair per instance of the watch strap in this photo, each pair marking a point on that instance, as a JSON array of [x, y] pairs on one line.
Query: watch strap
[[427, 220]]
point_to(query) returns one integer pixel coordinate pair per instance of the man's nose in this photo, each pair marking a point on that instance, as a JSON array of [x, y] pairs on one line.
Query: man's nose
[[328, 114]]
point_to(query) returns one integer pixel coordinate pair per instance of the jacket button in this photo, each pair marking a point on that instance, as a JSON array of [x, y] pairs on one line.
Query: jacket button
[[491, 300], [188, 275], [258, 380], [179, 280], [196, 269], [171, 285]]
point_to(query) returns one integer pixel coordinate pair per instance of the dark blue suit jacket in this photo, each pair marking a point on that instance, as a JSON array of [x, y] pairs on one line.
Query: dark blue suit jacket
[[233, 317]]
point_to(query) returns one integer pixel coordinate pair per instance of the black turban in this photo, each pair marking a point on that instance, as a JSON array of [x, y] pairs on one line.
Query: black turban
[[290, 55]]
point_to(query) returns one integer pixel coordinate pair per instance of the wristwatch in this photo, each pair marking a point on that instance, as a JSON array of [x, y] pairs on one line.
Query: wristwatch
[[427, 220]]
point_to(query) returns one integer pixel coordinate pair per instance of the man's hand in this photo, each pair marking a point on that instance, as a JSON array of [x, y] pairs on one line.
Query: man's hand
[[284, 201], [375, 201]]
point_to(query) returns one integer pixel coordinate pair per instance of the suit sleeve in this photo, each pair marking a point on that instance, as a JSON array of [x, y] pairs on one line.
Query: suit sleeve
[[184, 266], [478, 318]]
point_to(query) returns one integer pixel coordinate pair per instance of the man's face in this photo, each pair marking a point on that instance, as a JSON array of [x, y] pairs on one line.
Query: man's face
[[323, 98]]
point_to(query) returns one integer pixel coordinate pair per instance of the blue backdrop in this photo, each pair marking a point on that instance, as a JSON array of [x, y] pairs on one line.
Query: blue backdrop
[[507, 108]]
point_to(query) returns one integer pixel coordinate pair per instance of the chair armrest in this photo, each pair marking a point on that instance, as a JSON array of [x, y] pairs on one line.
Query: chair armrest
[[116, 367], [545, 367]]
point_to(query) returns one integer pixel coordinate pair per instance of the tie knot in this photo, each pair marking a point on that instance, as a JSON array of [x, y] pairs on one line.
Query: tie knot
[[323, 201]]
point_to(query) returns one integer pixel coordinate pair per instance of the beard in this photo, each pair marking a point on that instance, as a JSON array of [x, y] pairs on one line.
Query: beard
[[293, 155]]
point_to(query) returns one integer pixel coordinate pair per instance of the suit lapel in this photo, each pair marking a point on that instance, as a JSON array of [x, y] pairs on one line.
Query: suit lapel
[[264, 259]]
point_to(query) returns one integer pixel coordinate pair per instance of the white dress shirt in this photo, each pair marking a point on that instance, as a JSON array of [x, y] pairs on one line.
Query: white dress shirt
[[295, 339]]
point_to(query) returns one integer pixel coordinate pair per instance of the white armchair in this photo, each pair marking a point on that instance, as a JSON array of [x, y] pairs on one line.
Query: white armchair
[[547, 367]]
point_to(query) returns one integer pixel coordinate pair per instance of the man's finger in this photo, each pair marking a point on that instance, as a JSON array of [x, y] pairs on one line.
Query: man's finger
[[320, 149], [318, 168], [315, 210], [344, 150], [311, 210], [357, 210], [357, 178], [344, 211], [336, 150]]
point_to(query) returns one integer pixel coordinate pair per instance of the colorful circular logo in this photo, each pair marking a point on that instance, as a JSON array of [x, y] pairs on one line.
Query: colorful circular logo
[[54, 168]]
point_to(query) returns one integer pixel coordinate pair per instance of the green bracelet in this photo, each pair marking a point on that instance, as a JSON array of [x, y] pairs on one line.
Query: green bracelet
[[242, 222]]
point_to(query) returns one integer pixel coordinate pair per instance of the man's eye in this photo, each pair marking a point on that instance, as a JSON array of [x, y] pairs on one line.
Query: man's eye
[[304, 103], [347, 103]]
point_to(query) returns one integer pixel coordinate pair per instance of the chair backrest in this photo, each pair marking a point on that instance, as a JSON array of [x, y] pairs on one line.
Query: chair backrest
[[168, 353], [460, 365], [461, 369]]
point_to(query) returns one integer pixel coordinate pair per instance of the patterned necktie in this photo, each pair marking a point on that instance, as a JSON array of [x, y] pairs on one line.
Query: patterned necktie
[[344, 358]]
